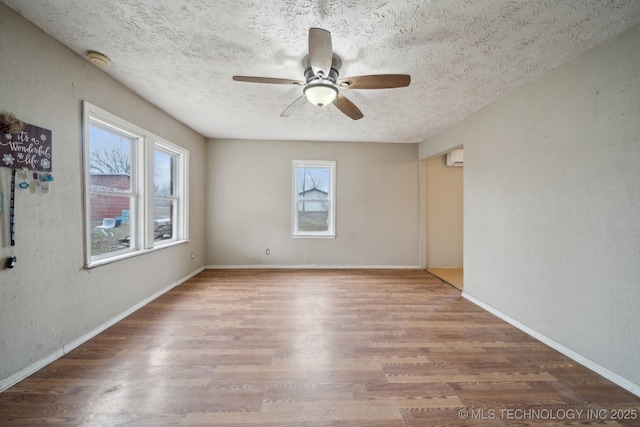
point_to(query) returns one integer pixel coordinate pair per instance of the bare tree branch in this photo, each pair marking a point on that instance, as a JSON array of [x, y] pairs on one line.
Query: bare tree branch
[[111, 161]]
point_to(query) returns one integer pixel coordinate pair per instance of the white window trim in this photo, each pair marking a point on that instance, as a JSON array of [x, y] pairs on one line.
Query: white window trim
[[142, 186], [180, 228], [331, 233]]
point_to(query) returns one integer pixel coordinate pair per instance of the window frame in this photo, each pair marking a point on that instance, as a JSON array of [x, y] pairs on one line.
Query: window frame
[[142, 194], [331, 199], [180, 226]]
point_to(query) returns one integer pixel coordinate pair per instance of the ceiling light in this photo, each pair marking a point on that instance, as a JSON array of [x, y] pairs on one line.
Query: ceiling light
[[98, 58], [320, 94]]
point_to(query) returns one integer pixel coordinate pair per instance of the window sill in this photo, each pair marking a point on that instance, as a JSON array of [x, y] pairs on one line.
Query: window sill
[[127, 255], [313, 236]]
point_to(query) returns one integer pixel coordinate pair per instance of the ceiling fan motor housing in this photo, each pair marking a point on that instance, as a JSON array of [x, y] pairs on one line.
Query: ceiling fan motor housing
[[332, 77]]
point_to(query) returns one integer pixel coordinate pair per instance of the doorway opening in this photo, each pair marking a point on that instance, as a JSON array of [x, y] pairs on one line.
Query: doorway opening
[[443, 183]]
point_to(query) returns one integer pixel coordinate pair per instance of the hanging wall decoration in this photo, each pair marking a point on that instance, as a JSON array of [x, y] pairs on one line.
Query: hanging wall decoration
[[23, 145], [26, 147]]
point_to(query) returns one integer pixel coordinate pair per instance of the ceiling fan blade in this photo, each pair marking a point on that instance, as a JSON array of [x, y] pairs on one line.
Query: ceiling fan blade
[[294, 106], [268, 80], [378, 81], [348, 107], [320, 51]]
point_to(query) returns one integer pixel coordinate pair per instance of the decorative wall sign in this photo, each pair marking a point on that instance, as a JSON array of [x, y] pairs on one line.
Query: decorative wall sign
[[30, 148]]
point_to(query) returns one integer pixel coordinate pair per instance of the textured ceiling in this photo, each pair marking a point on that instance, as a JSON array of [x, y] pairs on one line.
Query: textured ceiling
[[461, 54]]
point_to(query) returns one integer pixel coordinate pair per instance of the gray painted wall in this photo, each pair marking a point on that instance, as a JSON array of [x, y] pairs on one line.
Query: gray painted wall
[[249, 204], [552, 204], [49, 299]]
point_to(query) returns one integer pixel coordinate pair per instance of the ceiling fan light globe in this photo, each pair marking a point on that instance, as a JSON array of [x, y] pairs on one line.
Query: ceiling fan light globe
[[320, 94]]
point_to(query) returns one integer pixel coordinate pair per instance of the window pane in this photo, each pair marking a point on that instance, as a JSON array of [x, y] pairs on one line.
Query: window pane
[[109, 159], [110, 224], [314, 198], [313, 216], [163, 219], [164, 173], [313, 183]]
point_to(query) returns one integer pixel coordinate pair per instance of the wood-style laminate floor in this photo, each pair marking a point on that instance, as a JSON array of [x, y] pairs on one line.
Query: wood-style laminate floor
[[386, 348], [453, 276]]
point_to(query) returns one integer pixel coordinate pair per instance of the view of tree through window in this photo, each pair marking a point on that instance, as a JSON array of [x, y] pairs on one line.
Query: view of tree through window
[[110, 154], [313, 211], [313, 204], [164, 191]]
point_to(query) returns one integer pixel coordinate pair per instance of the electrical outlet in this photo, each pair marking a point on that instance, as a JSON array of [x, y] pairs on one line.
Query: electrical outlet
[[268, 251], [193, 255]]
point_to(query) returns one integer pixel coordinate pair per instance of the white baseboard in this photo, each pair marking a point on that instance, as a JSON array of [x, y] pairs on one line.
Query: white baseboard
[[39, 364], [319, 267], [587, 363]]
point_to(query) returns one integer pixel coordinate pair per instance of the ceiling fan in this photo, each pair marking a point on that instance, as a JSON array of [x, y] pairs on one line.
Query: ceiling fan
[[321, 83]]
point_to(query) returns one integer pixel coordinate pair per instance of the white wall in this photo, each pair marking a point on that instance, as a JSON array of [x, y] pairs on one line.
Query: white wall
[[552, 205], [376, 207], [49, 299]]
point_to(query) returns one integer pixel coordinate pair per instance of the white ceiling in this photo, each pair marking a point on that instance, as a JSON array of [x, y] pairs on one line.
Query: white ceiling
[[461, 54]]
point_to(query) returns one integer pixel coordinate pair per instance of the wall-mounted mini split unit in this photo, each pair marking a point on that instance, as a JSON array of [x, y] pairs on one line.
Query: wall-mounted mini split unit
[[455, 158]]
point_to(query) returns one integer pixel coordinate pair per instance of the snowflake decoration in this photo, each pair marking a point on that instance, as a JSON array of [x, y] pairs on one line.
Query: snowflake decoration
[[43, 137], [20, 156], [7, 135], [45, 163], [8, 159]]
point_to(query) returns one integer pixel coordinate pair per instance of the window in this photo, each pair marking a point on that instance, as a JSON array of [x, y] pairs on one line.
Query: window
[[314, 198], [135, 189]]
